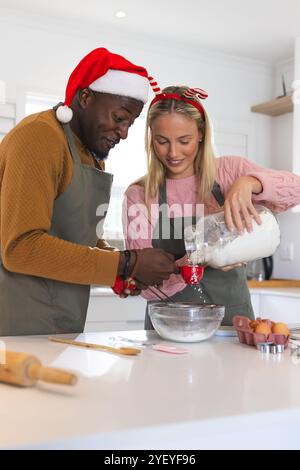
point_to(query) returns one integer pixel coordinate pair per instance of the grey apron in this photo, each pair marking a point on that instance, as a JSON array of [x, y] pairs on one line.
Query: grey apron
[[32, 305], [217, 287]]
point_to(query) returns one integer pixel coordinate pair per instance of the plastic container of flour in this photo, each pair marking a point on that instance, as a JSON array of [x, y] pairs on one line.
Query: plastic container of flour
[[211, 243]]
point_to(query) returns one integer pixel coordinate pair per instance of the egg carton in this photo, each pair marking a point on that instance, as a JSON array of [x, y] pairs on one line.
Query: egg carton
[[246, 334]]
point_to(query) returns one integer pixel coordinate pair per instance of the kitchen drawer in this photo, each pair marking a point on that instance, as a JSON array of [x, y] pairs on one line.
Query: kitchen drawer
[[109, 312], [255, 300], [113, 326], [280, 308]]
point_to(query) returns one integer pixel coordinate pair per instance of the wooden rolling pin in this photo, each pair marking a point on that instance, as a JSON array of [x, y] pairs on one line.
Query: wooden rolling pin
[[25, 370]]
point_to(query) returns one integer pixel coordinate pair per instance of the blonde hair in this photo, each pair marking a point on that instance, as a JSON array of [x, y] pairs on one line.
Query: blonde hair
[[204, 163]]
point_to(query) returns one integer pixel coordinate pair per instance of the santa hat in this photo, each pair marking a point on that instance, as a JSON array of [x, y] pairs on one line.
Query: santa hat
[[103, 71]]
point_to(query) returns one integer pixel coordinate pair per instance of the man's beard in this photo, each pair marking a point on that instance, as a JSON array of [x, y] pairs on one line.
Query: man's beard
[[99, 155]]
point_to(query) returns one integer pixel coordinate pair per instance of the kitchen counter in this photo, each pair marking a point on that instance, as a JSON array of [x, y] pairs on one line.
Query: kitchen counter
[[221, 394], [280, 283]]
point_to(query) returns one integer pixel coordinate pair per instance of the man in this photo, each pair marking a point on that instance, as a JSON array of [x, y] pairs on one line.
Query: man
[[52, 182]]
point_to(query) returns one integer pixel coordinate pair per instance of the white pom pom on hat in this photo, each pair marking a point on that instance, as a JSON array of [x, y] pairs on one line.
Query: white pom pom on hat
[[64, 114], [105, 72]]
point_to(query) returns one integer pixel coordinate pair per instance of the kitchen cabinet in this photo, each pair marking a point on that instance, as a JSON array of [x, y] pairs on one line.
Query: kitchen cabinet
[[108, 312], [277, 304], [255, 300]]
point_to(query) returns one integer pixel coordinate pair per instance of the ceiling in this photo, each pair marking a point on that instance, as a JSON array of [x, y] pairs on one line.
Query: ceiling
[[263, 30]]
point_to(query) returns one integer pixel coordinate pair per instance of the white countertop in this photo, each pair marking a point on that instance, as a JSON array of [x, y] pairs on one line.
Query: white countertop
[[220, 394]]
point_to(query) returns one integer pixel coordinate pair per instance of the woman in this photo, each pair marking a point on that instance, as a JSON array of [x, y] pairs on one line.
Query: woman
[[183, 172]]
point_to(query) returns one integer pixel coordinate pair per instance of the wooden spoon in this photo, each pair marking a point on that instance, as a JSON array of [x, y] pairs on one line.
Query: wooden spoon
[[102, 347]]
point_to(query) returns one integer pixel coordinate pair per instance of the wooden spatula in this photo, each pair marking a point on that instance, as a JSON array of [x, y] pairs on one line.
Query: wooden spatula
[[122, 350]]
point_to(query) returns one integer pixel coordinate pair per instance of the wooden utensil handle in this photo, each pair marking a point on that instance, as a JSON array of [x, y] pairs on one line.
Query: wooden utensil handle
[[52, 375], [123, 350]]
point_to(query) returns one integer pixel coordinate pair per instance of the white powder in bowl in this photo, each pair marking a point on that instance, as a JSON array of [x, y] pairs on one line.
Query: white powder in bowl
[[186, 333], [261, 242]]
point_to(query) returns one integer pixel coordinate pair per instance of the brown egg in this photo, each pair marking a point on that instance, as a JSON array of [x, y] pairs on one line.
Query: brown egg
[[280, 329], [268, 321], [263, 328], [253, 324]]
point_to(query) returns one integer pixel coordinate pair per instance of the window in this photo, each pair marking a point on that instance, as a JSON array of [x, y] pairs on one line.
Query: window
[[38, 102], [2, 92], [127, 162], [7, 118]]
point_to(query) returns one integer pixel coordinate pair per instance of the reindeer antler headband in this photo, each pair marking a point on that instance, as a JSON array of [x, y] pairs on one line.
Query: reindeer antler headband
[[188, 96]]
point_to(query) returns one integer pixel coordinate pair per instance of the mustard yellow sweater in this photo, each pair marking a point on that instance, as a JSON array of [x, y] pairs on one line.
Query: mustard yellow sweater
[[36, 166]]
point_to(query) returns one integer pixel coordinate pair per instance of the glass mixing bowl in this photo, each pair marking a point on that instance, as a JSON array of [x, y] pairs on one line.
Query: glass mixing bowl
[[185, 322]]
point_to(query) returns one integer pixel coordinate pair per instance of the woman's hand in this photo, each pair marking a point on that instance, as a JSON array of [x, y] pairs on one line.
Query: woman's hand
[[184, 261], [238, 207], [225, 269]]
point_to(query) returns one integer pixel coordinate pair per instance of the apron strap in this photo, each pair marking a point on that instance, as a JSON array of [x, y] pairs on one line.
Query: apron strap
[[163, 213], [57, 105], [162, 194], [217, 193], [70, 138], [163, 210]]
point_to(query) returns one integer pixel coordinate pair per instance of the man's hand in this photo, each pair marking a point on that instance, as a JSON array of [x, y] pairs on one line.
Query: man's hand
[[153, 266], [238, 208], [133, 291]]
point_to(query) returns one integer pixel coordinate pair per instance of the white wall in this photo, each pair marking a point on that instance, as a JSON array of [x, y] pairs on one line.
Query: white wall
[[38, 54], [282, 126], [283, 132]]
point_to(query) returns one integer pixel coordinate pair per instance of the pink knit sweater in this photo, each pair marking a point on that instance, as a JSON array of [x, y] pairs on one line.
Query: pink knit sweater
[[281, 191]]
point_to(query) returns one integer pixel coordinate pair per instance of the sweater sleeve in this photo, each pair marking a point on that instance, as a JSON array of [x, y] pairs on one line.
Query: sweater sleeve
[[138, 228], [281, 189], [31, 174]]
